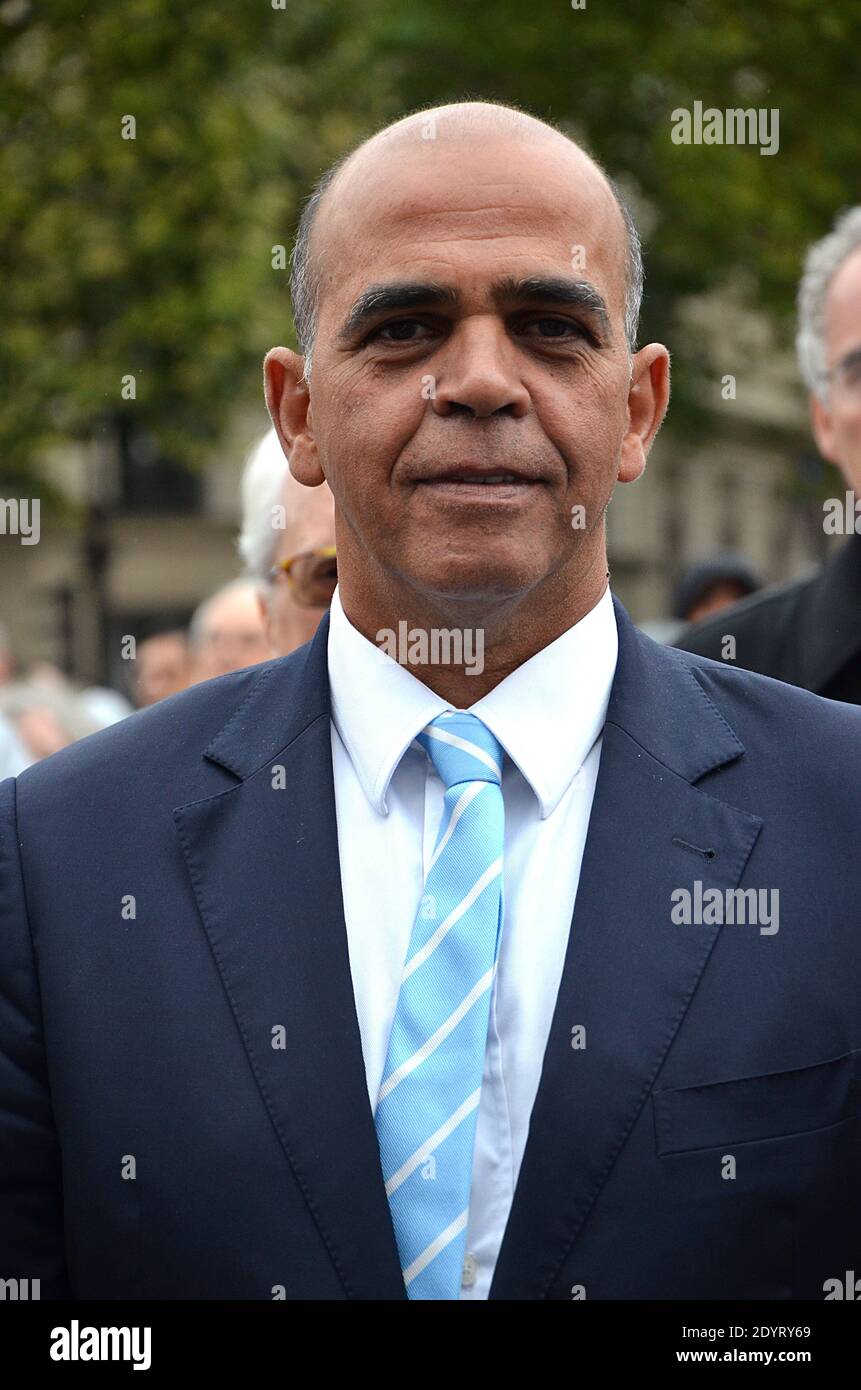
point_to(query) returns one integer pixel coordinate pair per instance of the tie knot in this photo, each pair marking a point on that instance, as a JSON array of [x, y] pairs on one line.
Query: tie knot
[[462, 749]]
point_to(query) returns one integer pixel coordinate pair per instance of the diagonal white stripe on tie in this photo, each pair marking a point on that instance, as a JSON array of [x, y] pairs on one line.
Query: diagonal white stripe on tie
[[438, 1037], [431, 1251], [464, 744], [424, 1150], [453, 917]]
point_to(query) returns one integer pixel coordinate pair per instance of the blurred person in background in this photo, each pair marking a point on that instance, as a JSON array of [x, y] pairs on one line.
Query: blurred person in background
[[226, 632], [46, 717], [42, 711], [7, 660], [44, 672], [104, 706], [704, 588], [710, 585], [808, 632], [287, 542], [13, 754], [162, 668], [100, 704]]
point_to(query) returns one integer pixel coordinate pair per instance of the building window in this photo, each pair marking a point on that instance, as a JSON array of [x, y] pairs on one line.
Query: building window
[[149, 482]]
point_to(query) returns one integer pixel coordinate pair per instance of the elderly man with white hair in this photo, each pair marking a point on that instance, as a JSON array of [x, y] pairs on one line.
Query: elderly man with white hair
[[287, 542], [808, 632]]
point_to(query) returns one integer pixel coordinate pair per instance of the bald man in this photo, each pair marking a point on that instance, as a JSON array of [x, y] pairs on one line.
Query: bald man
[[162, 667], [482, 948], [227, 632]]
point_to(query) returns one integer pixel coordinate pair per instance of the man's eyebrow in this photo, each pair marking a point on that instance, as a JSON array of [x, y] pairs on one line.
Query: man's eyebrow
[[404, 294], [419, 294], [555, 289]]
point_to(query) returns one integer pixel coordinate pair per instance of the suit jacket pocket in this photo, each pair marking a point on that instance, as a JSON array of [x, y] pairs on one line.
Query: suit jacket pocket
[[779, 1103]]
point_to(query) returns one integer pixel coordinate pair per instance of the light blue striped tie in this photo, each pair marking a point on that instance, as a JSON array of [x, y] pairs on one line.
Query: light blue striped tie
[[427, 1108]]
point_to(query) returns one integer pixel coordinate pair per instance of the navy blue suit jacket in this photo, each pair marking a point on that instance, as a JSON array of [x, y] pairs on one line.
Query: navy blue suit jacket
[[154, 1144]]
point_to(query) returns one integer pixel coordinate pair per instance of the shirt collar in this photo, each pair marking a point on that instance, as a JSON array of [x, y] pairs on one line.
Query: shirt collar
[[378, 705], [547, 713]]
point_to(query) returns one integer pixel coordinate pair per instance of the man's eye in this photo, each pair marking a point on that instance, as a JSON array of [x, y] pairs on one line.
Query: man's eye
[[550, 327], [400, 331]]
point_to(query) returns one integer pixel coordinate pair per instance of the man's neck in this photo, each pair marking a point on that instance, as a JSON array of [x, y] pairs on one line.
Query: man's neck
[[496, 638]]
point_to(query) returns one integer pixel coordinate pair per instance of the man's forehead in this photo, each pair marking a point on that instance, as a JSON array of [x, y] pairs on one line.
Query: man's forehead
[[843, 301], [463, 199]]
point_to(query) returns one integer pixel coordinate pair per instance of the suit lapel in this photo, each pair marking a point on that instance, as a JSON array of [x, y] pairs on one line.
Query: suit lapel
[[629, 971], [263, 860]]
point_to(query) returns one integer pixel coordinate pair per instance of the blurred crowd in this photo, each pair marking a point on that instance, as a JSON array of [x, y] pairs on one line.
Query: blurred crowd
[[287, 546], [807, 632]]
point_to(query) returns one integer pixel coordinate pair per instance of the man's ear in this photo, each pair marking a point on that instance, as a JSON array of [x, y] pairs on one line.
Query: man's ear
[[823, 428], [648, 397], [288, 403]]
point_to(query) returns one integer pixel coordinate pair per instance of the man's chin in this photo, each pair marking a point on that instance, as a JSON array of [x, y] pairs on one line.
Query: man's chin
[[475, 584]]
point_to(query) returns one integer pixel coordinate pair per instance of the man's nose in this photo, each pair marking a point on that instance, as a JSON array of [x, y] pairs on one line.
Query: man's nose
[[478, 373]]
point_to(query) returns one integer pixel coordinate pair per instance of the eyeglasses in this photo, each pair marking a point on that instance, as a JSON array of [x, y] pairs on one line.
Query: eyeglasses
[[312, 576]]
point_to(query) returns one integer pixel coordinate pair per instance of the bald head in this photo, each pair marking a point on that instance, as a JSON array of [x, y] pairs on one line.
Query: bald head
[[355, 178]]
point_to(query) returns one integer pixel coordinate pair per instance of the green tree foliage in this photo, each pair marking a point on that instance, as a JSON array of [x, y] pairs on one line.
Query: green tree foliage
[[150, 256]]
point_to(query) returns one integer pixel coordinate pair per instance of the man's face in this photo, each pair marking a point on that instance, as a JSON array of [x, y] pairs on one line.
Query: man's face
[[494, 348], [290, 620], [233, 636], [716, 597], [163, 668], [837, 421]]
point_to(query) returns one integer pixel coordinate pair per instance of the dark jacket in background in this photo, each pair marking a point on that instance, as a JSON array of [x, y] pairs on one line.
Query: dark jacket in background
[[807, 633]]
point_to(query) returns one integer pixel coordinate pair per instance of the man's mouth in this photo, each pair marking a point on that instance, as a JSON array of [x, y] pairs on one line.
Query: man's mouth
[[481, 479], [479, 489], [479, 482]]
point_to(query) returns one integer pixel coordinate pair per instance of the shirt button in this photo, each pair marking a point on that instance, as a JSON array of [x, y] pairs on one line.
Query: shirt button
[[470, 1270]]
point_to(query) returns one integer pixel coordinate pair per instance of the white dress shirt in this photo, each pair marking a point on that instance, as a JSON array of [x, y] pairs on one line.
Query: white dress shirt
[[548, 715]]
